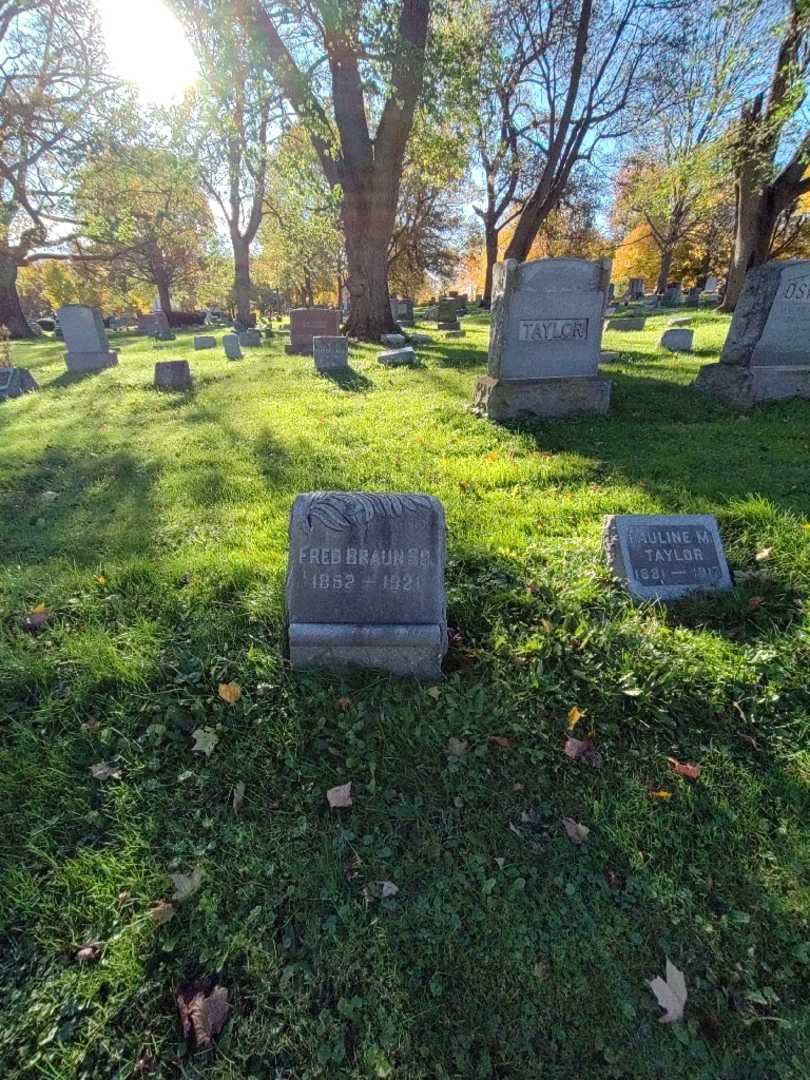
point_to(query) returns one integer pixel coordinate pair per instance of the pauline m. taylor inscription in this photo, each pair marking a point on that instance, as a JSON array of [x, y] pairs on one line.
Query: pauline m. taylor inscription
[[365, 582], [666, 557]]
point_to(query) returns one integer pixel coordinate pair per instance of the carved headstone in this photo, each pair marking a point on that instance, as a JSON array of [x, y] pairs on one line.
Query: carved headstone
[[677, 339], [306, 323], [766, 356], [173, 375], [627, 323], [250, 338], [397, 357], [404, 315], [545, 340], [666, 557], [153, 323], [14, 382], [87, 346], [230, 342], [447, 314], [673, 294], [205, 342], [394, 341], [365, 583], [635, 288], [331, 352]]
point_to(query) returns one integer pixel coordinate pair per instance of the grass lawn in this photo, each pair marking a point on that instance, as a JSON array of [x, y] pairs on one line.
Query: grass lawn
[[154, 529]]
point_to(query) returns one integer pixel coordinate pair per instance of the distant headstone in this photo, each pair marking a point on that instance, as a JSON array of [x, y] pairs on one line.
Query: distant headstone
[[766, 356], [693, 295], [250, 338], [545, 339], [635, 288], [205, 342], [14, 382], [682, 320], [404, 314], [626, 323], [397, 357], [677, 339], [230, 342], [673, 295], [393, 340], [173, 375], [331, 353], [666, 557], [365, 583], [447, 314], [86, 339], [711, 284], [153, 323], [306, 323], [421, 339], [165, 335]]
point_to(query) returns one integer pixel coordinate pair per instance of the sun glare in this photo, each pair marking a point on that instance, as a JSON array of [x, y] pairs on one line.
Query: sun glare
[[146, 45]]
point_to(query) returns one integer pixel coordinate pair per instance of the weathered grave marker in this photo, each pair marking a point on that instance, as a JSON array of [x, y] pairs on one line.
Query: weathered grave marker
[[173, 375], [365, 583], [666, 557], [230, 343], [306, 323], [447, 314], [677, 339], [766, 356], [331, 353], [205, 342], [397, 357], [673, 294], [87, 346], [14, 382], [250, 338], [635, 288], [393, 340], [627, 323], [545, 339], [153, 323]]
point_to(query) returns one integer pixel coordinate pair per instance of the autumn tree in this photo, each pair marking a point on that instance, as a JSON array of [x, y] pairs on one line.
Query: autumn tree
[[767, 182], [54, 94]]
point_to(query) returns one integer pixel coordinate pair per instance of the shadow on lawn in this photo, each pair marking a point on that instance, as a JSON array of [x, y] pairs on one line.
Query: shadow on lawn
[[350, 380]]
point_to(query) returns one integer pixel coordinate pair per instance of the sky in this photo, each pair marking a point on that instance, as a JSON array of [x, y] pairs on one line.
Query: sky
[[146, 45]]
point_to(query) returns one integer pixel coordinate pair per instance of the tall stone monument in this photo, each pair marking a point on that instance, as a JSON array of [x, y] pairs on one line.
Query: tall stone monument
[[83, 330], [365, 582], [545, 340], [767, 352], [306, 323]]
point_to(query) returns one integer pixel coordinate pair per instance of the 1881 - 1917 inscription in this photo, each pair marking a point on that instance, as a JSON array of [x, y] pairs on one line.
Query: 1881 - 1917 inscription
[[666, 557]]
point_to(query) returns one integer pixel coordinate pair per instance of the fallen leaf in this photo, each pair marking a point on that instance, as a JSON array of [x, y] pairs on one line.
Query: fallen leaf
[[202, 1015], [575, 832], [547, 626], [583, 750], [502, 741], [89, 952], [457, 747], [574, 717], [230, 692], [100, 579], [205, 739], [764, 554], [105, 771], [756, 602], [492, 455], [49, 496], [435, 693], [160, 911], [40, 609], [185, 885], [340, 796], [344, 704], [661, 794], [683, 768], [670, 993], [238, 796], [36, 619], [388, 888], [632, 691]]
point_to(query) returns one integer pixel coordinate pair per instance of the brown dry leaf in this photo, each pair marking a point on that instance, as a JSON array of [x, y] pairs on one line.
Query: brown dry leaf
[[502, 741], [230, 692], [105, 771], [457, 747], [89, 952], [340, 796], [583, 750], [575, 832], [574, 717], [683, 768], [202, 1015], [238, 796], [344, 704], [764, 554], [756, 602], [161, 911], [185, 885], [36, 619], [661, 794], [388, 888], [670, 993]]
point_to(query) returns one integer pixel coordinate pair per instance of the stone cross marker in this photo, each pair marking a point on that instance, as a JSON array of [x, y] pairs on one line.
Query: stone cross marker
[[545, 340], [306, 323], [666, 557], [767, 352], [83, 330], [365, 582], [331, 353]]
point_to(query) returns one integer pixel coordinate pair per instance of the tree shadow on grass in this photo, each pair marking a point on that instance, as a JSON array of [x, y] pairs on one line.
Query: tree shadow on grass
[[349, 380], [71, 378]]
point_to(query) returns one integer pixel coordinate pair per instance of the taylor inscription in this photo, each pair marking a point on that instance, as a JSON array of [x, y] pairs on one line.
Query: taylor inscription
[[668, 556], [552, 329]]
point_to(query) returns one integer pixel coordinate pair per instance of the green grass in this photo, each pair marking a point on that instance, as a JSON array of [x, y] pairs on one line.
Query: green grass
[[154, 527]]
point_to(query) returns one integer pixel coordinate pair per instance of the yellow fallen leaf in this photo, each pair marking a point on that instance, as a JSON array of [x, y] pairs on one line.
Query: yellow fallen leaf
[[100, 579], [661, 794], [40, 609], [492, 455], [574, 717], [764, 554], [230, 692]]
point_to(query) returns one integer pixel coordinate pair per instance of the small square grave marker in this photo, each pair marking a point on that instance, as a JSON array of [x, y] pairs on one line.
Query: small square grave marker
[[173, 375], [331, 353]]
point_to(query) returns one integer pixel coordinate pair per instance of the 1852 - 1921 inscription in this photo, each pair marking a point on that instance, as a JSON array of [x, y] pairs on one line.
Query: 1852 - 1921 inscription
[[365, 582], [666, 557]]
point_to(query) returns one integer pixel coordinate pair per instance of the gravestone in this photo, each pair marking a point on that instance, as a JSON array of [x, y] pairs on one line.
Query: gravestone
[[365, 582], [393, 340], [635, 288], [677, 339], [447, 315], [205, 342], [545, 340], [153, 323], [165, 335], [766, 356], [421, 339], [306, 323], [230, 343], [331, 353], [250, 338], [404, 314], [86, 339], [673, 295], [397, 357], [626, 323], [173, 375], [14, 382], [682, 320], [711, 284], [693, 295], [666, 557], [455, 333]]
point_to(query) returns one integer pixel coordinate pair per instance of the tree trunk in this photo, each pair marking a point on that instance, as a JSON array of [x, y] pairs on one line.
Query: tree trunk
[[11, 312], [165, 296], [241, 279], [491, 241], [368, 235], [667, 252]]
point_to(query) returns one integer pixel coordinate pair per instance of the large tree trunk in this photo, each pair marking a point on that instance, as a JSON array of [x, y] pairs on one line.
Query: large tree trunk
[[491, 241], [667, 252], [11, 312], [164, 293], [241, 279], [368, 223]]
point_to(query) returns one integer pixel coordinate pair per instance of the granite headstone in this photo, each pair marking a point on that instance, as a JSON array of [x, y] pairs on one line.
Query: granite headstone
[[677, 339], [331, 353], [447, 314], [87, 346], [306, 323], [173, 375], [14, 382], [230, 342], [203, 341]]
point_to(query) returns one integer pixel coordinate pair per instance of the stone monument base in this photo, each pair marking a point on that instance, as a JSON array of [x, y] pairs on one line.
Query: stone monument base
[[507, 399], [741, 385], [400, 650], [91, 361]]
